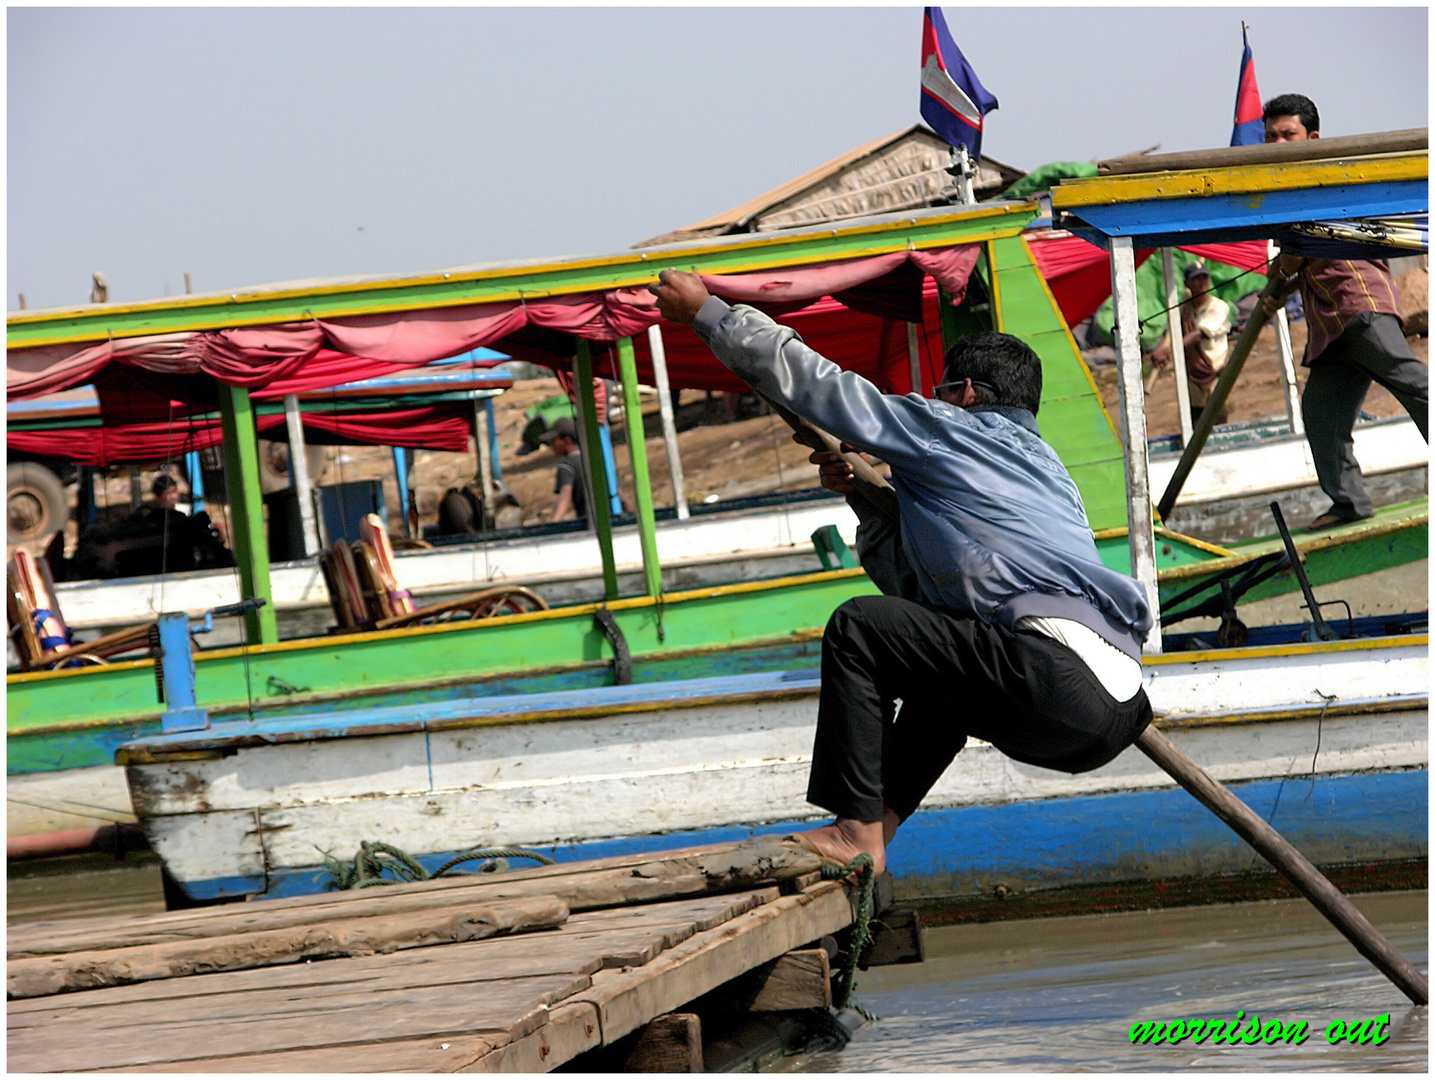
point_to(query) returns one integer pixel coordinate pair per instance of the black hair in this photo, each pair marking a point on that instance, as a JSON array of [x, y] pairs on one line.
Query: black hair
[[1297, 105], [1005, 363], [162, 483]]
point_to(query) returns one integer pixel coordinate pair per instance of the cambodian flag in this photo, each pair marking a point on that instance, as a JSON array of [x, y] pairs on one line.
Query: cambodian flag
[[1250, 129], [953, 98]]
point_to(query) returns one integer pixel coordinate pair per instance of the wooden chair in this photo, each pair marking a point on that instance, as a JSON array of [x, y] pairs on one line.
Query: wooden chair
[[42, 640], [346, 592], [391, 606]]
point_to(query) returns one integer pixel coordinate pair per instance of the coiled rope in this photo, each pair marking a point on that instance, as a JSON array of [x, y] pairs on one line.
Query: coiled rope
[[845, 981], [374, 858]]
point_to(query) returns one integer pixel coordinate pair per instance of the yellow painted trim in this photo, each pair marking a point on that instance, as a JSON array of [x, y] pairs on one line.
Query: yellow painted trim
[[1247, 179], [338, 640], [1304, 648], [636, 263], [1303, 547]]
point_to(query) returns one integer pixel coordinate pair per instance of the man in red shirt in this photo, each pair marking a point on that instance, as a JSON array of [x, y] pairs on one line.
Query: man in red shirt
[[1354, 335]]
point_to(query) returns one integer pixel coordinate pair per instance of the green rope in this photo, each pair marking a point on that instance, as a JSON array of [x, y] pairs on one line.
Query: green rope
[[375, 858], [846, 979]]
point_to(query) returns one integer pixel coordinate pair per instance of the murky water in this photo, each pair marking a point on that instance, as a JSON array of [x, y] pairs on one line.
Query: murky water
[[1038, 995], [1057, 995]]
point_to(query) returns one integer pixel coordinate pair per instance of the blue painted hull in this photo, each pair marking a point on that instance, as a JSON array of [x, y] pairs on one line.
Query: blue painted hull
[[966, 852]]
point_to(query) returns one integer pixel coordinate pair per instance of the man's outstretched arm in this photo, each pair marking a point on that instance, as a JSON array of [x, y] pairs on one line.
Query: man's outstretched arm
[[773, 360]]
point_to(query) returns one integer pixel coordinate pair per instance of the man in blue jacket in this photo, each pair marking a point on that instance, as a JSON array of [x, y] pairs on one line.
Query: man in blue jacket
[[998, 619]]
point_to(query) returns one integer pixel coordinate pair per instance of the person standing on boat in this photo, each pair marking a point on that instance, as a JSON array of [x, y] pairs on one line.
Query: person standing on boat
[[1354, 335], [999, 620], [562, 439], [1206, 332]]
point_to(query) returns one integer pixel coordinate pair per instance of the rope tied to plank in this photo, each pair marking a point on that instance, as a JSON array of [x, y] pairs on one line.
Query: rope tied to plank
[[374, 858], [864, 870]]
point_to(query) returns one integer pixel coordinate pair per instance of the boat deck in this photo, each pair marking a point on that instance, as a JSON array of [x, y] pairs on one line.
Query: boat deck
[[519, 971]]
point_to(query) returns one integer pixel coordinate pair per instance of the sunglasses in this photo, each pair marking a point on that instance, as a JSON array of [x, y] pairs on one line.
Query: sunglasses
[[956, 384]]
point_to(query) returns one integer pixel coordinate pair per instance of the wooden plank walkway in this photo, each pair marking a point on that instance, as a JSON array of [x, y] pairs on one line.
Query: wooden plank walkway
[[520, 971]]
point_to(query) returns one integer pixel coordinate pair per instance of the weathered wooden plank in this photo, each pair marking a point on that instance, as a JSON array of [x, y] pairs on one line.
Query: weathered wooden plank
[[570, 1030], [147, 1033], [38, 976], [627, 999], [671, 1043], [579, 890], [430, 1054], [801, 979], [578, 947]]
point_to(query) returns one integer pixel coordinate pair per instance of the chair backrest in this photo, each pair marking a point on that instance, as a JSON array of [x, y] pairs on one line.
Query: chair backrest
[[377, 598], [376, 536], [35, 619], [350, 584], [338, 591]]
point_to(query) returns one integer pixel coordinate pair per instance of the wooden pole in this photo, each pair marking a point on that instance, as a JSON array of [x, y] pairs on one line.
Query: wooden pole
[[1273, 847], [665, 411], [1219, 393], [638, 455], [246, 511], [299, 473], [1298, 870], [1178, 343], [1385, 142], [1141, 534], [598, 511]]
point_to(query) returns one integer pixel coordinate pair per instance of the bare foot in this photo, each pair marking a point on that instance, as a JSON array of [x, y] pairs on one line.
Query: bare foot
[[845, 839]]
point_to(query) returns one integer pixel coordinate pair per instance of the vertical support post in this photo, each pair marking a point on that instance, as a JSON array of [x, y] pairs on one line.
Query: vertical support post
[[598, 512], [610, 469], [1178, 344], [670, 427], [494, 465], [299, 473], [484, 453], [246, 511], [401, 479], [136, 488], [914, 360], [1287, 358], [176, 661], [638, 454], [1141, 536]]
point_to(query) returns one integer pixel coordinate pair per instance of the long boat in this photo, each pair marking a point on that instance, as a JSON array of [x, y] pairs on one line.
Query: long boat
[[251, 808], [329, 713]]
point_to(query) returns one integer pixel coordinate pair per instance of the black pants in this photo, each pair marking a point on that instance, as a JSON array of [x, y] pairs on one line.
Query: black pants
[[1027, 695], [1369, 349]]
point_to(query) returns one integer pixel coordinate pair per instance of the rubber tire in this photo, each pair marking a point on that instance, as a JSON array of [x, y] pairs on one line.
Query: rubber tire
[[45, 486], [272, 479]]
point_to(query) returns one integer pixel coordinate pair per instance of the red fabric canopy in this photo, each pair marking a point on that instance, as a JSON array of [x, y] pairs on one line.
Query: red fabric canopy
[[292, 357], [1079, 272], [445, 426]]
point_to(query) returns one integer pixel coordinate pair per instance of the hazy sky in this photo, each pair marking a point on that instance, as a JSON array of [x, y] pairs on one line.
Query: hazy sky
[[251, 145]]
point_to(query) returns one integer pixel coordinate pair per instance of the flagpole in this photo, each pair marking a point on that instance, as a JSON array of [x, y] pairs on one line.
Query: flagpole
[[962, 175]]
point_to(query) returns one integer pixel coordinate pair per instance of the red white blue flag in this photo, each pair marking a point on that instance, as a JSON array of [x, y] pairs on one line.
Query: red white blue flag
[[953, 98], [1250, 129]]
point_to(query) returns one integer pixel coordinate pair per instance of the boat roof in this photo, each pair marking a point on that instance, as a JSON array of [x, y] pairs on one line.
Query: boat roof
[[1246, 193], [924, 229]]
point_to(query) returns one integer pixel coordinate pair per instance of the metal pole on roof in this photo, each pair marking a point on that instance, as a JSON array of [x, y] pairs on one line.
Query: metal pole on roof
[[481, 451], [665, 411], [914, 362], [1141, 535], [299, 473], [1178, 343]]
